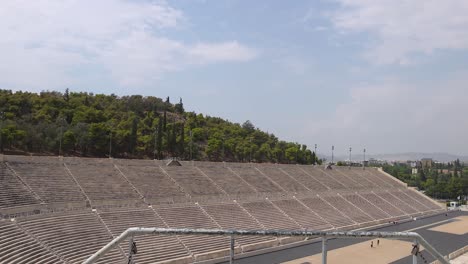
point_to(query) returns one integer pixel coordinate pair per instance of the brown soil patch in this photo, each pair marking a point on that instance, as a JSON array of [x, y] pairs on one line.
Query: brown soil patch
[[459, 226], [388, 251]]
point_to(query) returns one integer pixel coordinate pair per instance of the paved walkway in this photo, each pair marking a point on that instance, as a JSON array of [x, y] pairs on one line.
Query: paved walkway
[[386, 252], [463, 259]]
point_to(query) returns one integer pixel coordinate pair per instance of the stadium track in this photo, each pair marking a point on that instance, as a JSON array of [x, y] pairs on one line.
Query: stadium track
[[444, 242]]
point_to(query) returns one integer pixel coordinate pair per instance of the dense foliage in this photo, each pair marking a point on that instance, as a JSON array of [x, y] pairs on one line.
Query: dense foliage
[[443, 181], [85, 124]]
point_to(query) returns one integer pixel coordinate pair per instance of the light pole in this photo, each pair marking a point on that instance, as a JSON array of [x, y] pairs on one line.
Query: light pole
[[333, 148], [191, 144], [315, 151], [350, 149], [223, 142], [250, 150], [110, 144], [61, 136], [364, 161], [1, 127], [155, 142], [111, 125], [297, 154]]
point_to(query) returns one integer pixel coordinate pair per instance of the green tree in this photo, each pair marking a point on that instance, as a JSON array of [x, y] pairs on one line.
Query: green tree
[[182, 140], [69, 141], [133, 135], [213, 149], [179, 108], [165, 121], [98, 135], [291, 153], [248, 127], [66, 95], [159, 139]]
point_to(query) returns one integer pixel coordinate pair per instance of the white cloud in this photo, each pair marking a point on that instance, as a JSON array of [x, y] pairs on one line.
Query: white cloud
[[320, 28], [45, 44], [228, 51], [404, 28], [294, 64], [404, 116]]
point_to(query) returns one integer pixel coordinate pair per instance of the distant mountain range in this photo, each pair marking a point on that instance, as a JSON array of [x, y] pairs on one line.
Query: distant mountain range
[[442, 157]]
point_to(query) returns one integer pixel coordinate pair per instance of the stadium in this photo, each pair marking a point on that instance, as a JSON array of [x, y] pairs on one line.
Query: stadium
[[229, 131], [64, 209]]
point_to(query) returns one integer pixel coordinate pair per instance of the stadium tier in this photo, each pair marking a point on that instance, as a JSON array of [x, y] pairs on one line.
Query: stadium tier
[[286, 182], [256, 179], [151, 181], [62, 210], [302, 177], [227, 180], [73, 237], [231, 215], [101, 181], [152, 248], [50, 181], [17, 247], [13, 192]]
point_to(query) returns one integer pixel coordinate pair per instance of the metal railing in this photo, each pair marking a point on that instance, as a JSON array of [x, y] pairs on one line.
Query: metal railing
[[135, 231]]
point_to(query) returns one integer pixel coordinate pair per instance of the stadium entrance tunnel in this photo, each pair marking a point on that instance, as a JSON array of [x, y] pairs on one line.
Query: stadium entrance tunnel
[[135, 231]]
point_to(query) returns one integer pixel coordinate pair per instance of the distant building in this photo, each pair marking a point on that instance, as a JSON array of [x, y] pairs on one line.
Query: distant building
[[352, 163], [426, 163], [375, 162], [414, 164], [399, 163], [414, 171], [444, 171]]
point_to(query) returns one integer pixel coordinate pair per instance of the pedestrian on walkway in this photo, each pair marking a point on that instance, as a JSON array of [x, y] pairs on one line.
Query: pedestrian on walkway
[[372, 244], [378, 242]]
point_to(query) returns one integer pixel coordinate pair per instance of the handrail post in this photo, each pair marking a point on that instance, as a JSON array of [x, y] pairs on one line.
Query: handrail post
[[130, 250], [231, 256], [415, 251], [324, 250]]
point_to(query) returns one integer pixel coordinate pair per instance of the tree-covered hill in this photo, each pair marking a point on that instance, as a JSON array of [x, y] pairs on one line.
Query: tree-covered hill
[[86, 124]]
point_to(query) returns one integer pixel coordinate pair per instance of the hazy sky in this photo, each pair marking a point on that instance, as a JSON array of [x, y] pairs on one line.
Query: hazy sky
[[391, 76]]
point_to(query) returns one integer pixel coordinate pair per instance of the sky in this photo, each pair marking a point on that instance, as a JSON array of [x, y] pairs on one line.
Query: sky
[[386, 75]]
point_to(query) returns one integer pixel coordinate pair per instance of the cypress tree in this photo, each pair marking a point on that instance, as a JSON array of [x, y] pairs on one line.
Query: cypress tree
[[182, 141], [179, 107], [134, 135], [159, 140], [165, 121], [173, 140], [66, 96], [166, 105]]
